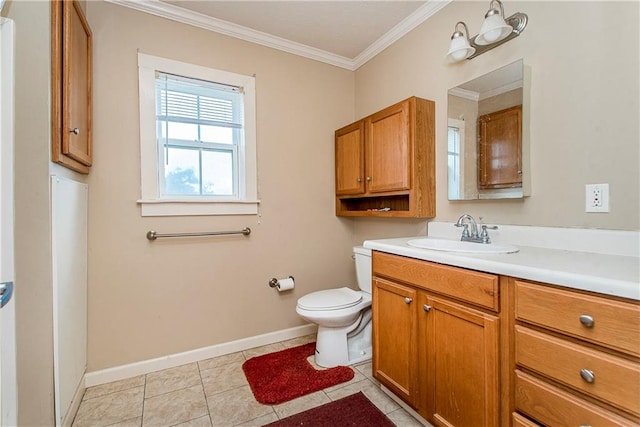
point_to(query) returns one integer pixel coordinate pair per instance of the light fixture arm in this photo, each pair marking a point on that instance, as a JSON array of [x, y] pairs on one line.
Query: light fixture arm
[[457, 33], [518, 21], [495, 30]]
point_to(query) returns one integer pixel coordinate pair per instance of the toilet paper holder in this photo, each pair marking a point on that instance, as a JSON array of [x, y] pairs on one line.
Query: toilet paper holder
[[274, 282]]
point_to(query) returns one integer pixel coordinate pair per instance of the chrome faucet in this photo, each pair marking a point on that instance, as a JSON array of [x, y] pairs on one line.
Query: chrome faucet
[[472, 235]]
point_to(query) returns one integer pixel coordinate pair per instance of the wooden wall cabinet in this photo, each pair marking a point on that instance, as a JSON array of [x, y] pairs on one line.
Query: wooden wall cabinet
[[593, 377], [385, 163], [500, 149], [437, 349], [71, 41]]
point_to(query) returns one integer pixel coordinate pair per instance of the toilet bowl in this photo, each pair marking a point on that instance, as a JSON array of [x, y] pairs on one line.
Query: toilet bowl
[[343, 316]]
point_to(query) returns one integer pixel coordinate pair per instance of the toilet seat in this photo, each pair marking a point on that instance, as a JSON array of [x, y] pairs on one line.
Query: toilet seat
[[330, 299]]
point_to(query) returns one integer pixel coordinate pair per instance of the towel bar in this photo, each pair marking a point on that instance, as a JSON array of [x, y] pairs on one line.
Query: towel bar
[[152, 235]]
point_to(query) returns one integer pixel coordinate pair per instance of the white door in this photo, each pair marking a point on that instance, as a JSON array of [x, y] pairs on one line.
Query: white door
[[8, 388]]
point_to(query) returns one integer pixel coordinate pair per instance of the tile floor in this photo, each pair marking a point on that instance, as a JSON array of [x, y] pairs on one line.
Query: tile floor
[[215, 392]]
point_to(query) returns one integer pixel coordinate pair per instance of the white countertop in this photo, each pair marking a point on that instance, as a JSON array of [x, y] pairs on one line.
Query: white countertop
[[617, 275]]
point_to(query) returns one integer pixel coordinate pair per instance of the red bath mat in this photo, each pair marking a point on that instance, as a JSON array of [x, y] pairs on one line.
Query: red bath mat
[[353, 411], [284, 375]]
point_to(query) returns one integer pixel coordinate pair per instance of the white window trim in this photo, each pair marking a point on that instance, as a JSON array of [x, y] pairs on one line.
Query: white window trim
[[151, 203]]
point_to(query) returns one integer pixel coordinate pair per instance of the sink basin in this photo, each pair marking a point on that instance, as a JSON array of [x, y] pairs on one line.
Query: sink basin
[[459, 246]]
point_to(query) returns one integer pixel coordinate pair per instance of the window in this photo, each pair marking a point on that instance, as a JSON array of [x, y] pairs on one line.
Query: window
[[455, 136], [197, 140]]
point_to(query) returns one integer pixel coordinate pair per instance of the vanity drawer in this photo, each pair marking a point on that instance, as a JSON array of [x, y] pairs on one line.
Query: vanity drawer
[[615, 380], [518, 420], [615, 324], [471, 286], [554, 407]]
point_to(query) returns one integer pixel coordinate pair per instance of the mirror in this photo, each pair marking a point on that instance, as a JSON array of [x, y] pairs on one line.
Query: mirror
[[487, 138]]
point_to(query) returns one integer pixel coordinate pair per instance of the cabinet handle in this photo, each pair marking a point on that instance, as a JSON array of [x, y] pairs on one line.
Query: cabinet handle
[[587, 320], [426, 308], [75, 131], [587, 375], [368, 178], [358, 179], [408, 300]]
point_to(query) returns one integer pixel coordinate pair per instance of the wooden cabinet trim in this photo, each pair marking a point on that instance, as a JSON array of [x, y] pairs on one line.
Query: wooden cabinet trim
[[481, 289]]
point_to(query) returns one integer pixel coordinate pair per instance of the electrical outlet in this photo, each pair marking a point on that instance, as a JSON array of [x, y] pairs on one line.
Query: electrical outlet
[[597, 198]]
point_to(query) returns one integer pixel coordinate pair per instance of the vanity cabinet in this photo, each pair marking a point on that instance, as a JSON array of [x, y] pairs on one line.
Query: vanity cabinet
[[395, 342], [577, 357], [71, 41], [385, 163], [436, 336]]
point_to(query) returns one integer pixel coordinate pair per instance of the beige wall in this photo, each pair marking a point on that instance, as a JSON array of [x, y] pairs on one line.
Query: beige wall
[[33, 294], [148, 300], [583, 58], [32, 168]]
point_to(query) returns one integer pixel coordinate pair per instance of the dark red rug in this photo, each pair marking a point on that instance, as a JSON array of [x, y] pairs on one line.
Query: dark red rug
[[354, 411], [284, 375]]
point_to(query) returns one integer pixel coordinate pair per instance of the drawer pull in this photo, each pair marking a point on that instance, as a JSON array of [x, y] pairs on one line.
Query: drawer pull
[[587, 375], [586, 320], [408, 300], [426, 308]]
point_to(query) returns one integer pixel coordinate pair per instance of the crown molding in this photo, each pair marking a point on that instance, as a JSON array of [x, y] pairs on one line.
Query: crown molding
[[464, 93], [175, 13], [421, 14]]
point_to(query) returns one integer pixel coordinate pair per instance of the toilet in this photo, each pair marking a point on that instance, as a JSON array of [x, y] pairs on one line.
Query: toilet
[[343, 317]]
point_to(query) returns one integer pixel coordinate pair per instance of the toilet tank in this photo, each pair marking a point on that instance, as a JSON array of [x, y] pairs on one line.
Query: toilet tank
[[363, 267]]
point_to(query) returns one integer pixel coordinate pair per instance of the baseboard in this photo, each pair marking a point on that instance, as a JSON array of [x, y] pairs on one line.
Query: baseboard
[[67, 421], [171, 361]]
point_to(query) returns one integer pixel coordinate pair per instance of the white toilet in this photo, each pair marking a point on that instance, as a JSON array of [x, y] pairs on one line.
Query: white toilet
[[343, 317]]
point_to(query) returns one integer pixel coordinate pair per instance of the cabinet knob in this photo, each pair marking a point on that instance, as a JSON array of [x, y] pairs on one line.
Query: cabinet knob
[[368, 178], [75, 131], [426, 308], [408, 300], [587, 320], [587, 375], [359, 179]]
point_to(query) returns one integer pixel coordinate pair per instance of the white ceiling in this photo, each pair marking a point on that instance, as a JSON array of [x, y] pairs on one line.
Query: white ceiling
[[341, 33]]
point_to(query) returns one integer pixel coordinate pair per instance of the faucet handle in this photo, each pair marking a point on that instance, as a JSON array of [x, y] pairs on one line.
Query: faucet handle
[[465, 231], [485, 235]]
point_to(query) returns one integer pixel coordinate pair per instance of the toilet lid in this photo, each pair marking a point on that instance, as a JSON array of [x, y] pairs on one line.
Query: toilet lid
[[330, 299]]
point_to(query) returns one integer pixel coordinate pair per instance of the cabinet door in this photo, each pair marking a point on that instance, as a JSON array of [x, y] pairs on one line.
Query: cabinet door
[[394, 337], [500, 149], [459, 364], [388, 147], [76, 128], [350, 159]]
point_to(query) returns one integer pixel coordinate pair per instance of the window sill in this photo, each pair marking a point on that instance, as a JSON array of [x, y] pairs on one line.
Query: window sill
[[181, 207]]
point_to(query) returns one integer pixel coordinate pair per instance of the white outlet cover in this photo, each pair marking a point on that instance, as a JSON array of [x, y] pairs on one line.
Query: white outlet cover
[[602, 204]]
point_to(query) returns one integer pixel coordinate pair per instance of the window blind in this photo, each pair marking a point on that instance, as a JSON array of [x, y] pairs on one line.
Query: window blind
[[184, 100]]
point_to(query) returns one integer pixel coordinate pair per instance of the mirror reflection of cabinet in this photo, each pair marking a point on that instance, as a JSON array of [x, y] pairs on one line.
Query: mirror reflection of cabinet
[[500, 149], [487, 136]]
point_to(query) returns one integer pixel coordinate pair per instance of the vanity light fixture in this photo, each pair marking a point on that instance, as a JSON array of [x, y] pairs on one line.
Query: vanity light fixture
[[495, 30]]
